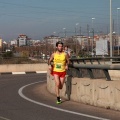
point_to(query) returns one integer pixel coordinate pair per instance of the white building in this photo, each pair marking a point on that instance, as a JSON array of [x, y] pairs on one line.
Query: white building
[[102, 47], [33, 42], [0, 42], [13, 42], [22, 40], [52, 40]]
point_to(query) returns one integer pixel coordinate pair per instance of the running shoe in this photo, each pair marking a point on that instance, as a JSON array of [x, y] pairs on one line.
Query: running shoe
[[58, 102]]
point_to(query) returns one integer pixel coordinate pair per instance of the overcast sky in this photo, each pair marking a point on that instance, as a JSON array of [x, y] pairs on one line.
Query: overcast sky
[[40, 18]]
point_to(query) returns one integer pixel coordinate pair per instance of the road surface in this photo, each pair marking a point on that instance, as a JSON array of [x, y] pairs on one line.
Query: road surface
[[24, 97]]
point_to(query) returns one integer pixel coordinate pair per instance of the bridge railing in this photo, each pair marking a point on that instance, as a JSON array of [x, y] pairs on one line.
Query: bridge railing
[[77, 65]]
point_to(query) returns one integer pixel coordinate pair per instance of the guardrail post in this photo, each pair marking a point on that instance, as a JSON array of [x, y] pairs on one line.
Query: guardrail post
[[98, 61], [107, 74], [84, 61], [91, 61], [78, 72], [90, 73]]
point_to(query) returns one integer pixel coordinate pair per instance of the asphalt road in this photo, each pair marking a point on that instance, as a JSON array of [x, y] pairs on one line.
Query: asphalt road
[[21, 100]]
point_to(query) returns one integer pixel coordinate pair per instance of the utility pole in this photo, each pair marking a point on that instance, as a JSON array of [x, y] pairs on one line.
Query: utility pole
[[76, 38], [93, 34], [118, 29], [87, 38], [113, 26], [92, 41], [88, 30], [113, 37], [107, 30], [80, 30], [111, 29]]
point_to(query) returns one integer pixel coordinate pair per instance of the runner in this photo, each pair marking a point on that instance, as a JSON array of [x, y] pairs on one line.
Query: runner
[[66, 50], [60, 65]]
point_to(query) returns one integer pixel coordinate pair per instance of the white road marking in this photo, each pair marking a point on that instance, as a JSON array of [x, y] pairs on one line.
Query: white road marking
[[14, 73], [41, 71], [20, 92], [3, 118]]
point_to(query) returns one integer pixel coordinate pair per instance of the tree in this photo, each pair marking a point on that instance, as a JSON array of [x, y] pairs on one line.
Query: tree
[[8, 54]]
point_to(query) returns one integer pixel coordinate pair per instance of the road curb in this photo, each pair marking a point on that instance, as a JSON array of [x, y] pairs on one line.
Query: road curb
[[27, 72]]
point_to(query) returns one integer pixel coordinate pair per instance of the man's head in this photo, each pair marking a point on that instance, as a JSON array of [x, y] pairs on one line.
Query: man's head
[[59, 46], [65, 47]]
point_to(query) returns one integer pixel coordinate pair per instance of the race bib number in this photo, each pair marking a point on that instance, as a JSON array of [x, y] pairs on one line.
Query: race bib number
[[59, 66]]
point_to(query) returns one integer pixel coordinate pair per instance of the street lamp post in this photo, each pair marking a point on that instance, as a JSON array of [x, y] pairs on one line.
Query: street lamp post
[[64, 32], [92, 22], [54, 33], [76, 37], [93, 34], [111, 29], [118, 28], [76, 28]]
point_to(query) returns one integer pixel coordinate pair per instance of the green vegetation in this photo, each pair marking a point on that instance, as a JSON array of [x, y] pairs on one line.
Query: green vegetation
[[8, 54]]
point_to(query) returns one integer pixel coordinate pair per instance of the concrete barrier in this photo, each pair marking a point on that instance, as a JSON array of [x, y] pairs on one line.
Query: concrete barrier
[[23, 67], [97, 92], [115, 74]]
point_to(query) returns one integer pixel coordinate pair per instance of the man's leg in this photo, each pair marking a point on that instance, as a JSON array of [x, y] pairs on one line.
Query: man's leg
[[57, 84], [62, 80]]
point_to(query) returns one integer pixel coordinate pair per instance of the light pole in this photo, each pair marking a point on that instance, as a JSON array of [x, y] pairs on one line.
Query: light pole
[[64, 32], [93, 34], [111, 29], [118, 28], [92, 22], [54, 33], [76, 37], [76, 28]]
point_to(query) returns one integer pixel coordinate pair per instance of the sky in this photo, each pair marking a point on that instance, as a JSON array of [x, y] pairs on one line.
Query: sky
[[40, 18]]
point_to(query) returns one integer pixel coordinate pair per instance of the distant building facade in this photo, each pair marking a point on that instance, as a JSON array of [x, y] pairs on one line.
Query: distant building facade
[[23, 40], [13, 42], [0, 43], [52, 39]]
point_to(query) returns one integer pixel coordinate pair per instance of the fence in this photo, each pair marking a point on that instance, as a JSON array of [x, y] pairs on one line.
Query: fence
[[78, 67]]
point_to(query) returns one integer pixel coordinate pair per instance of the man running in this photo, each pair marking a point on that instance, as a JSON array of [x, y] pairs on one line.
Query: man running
[[66, 50], [60, 65]]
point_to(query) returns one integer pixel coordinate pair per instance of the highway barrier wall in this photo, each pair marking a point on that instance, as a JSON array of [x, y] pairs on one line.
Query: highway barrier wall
[[23, 67], [115, 74], [95, 92]]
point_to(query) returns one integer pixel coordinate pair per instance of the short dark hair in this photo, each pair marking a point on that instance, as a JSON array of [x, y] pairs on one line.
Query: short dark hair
[[66, 46], [59, 42]]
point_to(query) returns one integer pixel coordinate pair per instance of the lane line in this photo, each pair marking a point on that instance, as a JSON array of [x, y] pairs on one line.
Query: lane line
[[41, 71], [4, 118], [14, 73], [20, 92]]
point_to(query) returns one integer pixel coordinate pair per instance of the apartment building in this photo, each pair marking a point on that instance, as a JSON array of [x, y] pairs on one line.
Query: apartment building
[[0, 42], [22, 40], [52, 40]]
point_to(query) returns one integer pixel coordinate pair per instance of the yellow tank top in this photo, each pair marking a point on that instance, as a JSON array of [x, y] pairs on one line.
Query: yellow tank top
[[59, 62]]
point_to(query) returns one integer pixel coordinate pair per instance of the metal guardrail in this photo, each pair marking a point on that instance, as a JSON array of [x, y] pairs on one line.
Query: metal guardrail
[[97, 59], [75, 63]]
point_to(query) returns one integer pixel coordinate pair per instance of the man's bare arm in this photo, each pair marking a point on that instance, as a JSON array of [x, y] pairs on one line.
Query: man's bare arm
[[67, 60], [51, 59]]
